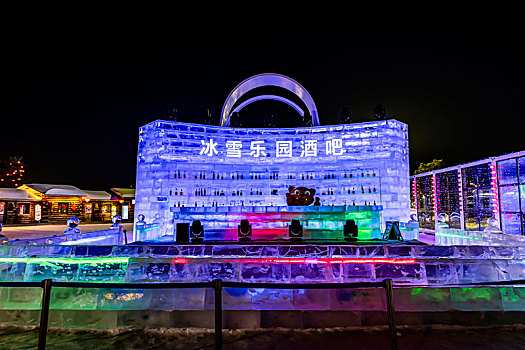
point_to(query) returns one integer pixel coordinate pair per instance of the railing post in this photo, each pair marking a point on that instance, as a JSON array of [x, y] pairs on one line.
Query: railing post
[[44, 314], [392, 331], [217, 286]]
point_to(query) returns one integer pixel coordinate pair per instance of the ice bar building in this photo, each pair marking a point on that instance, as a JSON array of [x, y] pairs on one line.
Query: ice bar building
[[466, 196], [217, 172]]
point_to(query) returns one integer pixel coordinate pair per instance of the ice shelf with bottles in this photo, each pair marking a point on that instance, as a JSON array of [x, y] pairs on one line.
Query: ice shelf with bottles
[[192, 165]]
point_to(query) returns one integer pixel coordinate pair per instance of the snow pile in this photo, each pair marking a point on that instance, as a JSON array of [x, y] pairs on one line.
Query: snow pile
[[409, 337]]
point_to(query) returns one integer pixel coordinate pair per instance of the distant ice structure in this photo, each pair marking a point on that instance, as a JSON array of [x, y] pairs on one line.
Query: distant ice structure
[[192, 165]]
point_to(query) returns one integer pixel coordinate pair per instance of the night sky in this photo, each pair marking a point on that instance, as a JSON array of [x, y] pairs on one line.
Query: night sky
[[72, 107]]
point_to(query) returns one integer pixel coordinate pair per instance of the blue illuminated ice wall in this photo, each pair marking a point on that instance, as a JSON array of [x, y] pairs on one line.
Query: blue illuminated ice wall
[[181, 164]]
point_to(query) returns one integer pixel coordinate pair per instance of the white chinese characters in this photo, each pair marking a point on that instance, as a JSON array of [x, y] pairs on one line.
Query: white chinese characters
[[334, 147], [233, 149], [209, 148], [283, 149], [257, 149], [309, 148]]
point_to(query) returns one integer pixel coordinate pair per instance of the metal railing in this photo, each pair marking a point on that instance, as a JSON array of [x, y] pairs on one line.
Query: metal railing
[[217, 285]]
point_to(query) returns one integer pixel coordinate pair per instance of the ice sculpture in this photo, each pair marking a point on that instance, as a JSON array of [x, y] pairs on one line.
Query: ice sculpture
[[116, 223], [183, 165], [72, 224], [493, 226]]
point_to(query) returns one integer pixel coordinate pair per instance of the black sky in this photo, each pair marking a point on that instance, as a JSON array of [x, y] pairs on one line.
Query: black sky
[[72, 105]]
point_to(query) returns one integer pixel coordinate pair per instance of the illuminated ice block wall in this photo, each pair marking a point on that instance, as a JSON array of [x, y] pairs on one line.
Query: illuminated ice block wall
[[192, 165]]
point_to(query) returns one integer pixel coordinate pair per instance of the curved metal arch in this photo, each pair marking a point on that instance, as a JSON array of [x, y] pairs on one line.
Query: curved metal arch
[[268, 79], [268, 97]]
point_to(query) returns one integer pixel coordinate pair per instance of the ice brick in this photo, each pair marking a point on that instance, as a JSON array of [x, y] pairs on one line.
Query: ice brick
[[124, 299], [422, 299], [475, 299], [311, 299], [272, 299], [74, 298], [177, 299]]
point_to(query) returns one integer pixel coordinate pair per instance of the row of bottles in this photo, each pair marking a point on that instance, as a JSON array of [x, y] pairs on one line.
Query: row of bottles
[[199, 192], [359, 189], [274, 175], [249, 203]]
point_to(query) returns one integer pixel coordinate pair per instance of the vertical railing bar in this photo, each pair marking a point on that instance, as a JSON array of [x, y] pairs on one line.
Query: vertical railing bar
[[217, 286], [391, 313], [44, 314]]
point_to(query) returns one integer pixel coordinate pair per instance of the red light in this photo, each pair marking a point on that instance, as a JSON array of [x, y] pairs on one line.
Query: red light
[[307, 260]]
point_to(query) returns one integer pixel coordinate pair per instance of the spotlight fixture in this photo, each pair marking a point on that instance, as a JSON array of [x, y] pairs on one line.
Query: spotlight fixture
[[392, 231], [295, 230], [350, 231], [244, 231], [196, 232], [183, 229]]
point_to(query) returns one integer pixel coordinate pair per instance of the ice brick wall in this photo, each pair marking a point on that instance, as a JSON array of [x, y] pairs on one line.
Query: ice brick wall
[[181, 165], [404, 264]]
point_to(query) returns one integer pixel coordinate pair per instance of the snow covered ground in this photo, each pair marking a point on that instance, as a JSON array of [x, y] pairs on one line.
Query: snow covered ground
[[434, 337], [46, 230]]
